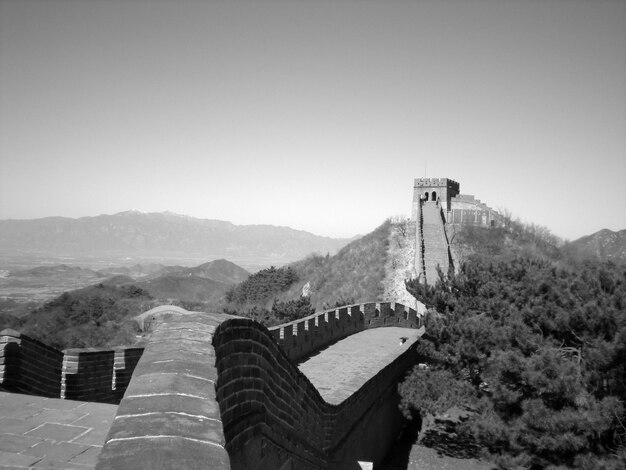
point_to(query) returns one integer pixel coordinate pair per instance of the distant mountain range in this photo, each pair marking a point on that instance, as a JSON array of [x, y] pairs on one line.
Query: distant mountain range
[[605, 245], [162, 235]]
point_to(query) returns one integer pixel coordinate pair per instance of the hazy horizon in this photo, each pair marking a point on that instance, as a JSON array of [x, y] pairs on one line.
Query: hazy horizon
[[313, 115]]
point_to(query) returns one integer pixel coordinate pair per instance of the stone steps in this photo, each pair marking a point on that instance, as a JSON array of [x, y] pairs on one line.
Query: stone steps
[[435, 242]]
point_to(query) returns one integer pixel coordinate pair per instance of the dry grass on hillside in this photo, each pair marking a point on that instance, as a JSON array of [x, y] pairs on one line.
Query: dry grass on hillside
[[353, 275], [400, 262]]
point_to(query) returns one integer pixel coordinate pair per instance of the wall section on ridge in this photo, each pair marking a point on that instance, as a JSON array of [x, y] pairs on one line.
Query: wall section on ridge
[[273, 416], [216, 391], [302, 337]]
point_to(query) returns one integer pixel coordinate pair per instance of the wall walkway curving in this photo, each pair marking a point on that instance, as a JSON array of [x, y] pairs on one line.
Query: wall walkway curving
[[222, 392], [213, 391]]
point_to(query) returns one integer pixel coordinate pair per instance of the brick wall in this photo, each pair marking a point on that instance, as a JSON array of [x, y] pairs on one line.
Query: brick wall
[[465, 209], [29, 366], [98, 375], [302, 337], [169, 417], [267, 403]]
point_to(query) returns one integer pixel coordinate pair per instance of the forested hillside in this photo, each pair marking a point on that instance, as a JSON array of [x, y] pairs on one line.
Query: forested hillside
[[535, 344], [354, 274], [95, 316], [101, 314], [276, 295]]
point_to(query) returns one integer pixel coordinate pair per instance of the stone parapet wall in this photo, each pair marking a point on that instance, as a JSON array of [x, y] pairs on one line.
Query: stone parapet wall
[[273, 417], [302, 337], [466, 209], [29, 366], [169, 417], [436, 183], [98, 375], [266, 402], [149, 320]]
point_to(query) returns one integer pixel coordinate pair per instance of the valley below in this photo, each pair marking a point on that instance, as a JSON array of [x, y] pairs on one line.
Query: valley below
[[27, 282]]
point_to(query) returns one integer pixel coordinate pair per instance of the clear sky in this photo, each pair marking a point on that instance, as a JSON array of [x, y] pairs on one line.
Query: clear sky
[[313, 114]]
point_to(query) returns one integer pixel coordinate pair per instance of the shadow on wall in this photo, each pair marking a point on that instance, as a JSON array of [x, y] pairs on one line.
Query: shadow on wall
[[273, 417], [96, 375]]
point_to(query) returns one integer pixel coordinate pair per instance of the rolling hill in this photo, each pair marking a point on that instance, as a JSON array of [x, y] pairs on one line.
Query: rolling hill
[[100, 313], [355, 274], [207, 282]]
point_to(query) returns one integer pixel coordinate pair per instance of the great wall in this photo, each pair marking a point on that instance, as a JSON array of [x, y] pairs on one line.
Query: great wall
[[438, 208], [223, 392], [215, 391]]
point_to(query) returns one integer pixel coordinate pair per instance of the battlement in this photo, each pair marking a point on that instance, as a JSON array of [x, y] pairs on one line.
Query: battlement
[[31, 367], [306, 335], [436, 183]]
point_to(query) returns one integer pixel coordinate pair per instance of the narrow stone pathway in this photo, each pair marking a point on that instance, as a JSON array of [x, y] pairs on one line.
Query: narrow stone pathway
[[342, 368]]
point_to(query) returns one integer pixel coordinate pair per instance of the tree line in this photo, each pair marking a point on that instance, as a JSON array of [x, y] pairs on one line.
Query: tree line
[[536, 348]]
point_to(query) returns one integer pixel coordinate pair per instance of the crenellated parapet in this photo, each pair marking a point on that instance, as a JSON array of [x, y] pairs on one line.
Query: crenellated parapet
[[436, 183], [29, 366], [273, 416], [99, 375], [302, 337]]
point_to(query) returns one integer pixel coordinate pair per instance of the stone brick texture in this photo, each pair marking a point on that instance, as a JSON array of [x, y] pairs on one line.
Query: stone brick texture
[[97, 375], [302, 337], [271, 413], [435, 250], [29, 366]]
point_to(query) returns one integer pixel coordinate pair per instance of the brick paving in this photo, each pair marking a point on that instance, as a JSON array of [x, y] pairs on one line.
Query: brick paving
[[37, 432], [342, 368]]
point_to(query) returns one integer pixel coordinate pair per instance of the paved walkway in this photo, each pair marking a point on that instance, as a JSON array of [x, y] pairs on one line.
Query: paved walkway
[[38, 432], [342, 368]]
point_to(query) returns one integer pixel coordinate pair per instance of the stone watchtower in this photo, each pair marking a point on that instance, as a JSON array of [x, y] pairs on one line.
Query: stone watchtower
[[433, 189]]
